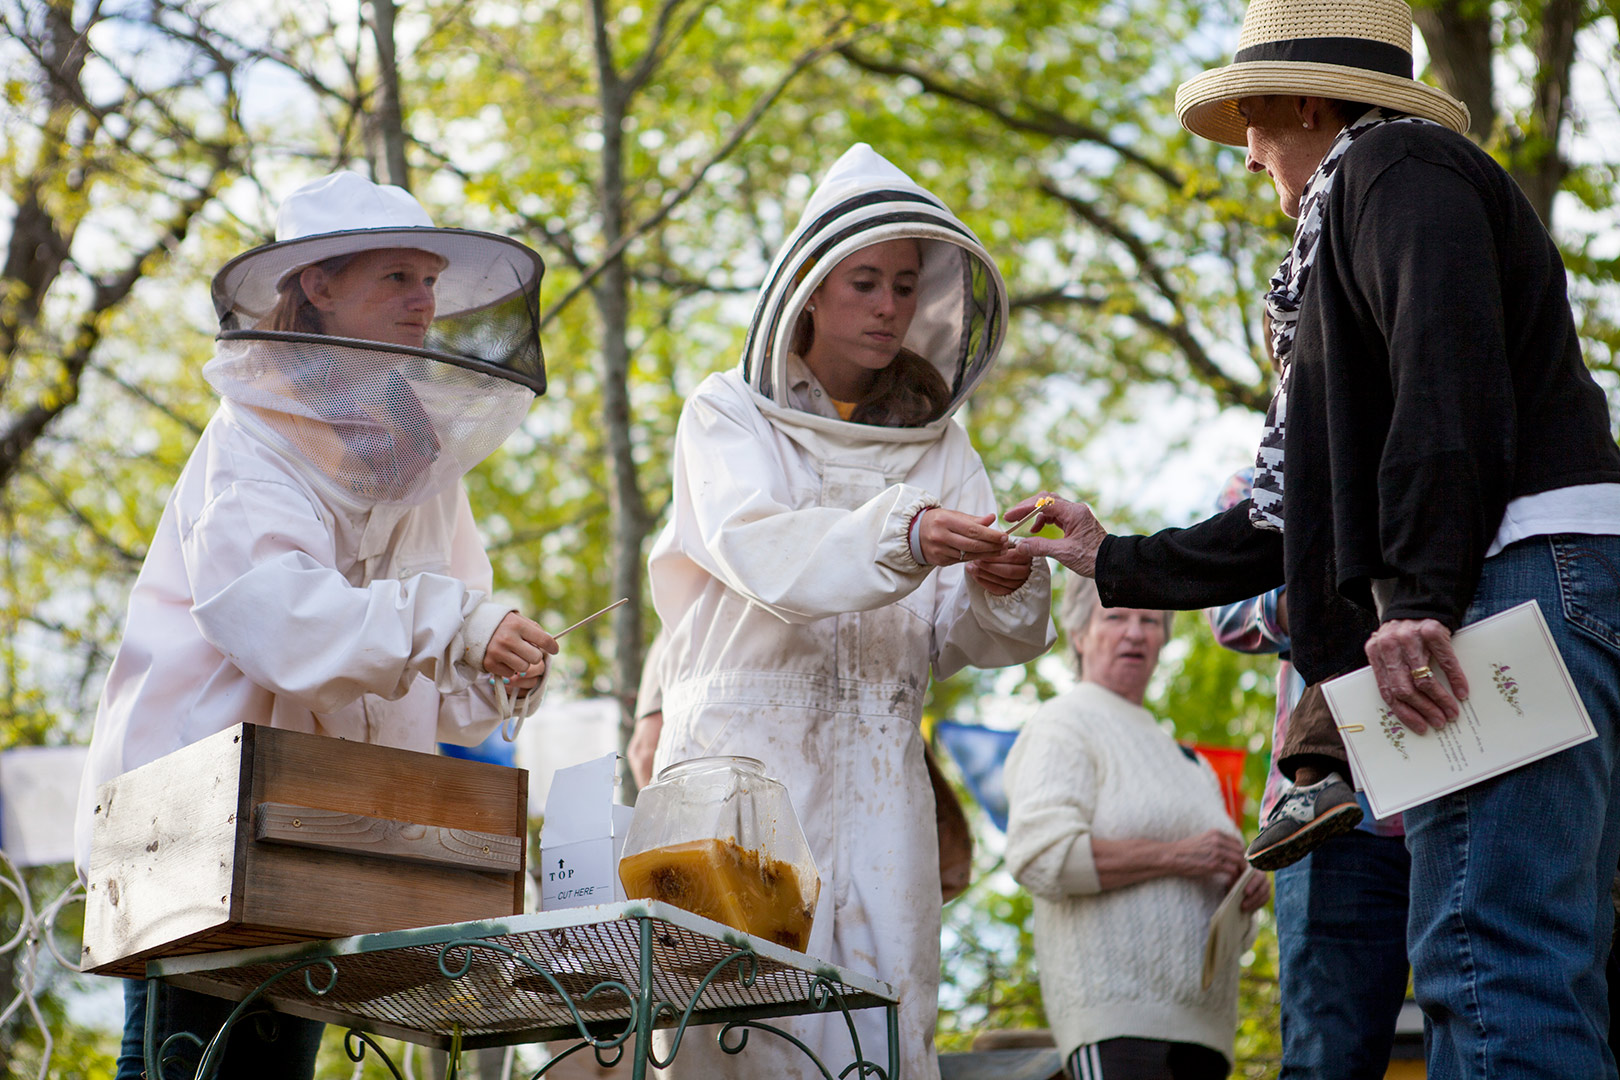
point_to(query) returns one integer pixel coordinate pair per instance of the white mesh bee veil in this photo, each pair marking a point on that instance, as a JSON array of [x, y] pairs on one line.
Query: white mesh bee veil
[[386, 415]]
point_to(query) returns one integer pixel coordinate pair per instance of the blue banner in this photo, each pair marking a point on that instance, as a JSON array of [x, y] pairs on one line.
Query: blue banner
[[495, 750], [980, 753]]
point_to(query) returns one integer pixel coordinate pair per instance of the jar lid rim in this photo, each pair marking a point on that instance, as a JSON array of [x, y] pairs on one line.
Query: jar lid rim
[[704, 764]]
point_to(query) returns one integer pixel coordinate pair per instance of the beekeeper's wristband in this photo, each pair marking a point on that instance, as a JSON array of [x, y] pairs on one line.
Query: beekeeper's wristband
[[914, 536]]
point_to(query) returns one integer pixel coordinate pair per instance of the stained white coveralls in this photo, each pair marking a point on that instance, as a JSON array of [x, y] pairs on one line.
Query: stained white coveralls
[[268, 597], [801, 631]]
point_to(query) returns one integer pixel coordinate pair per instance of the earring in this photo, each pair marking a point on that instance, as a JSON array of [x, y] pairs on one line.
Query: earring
[[809, 307], [1306, 125]]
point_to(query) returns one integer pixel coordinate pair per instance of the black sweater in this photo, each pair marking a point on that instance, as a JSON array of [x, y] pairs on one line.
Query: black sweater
[[1436, 375]]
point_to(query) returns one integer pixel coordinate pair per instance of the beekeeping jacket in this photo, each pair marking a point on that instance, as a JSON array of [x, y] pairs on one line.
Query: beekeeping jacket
[[801, 630]]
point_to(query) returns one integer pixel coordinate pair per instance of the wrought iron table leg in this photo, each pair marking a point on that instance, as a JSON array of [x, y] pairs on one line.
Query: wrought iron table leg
[[149, 1047], [892, 1013], [642, 1019], [212, 1052]]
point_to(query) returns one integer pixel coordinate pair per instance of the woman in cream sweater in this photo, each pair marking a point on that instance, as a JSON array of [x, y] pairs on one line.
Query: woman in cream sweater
[[1123, 838]]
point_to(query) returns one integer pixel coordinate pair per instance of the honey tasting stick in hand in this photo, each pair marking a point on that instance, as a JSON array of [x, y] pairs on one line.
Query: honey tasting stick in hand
[[1027, 525], [592, 615]]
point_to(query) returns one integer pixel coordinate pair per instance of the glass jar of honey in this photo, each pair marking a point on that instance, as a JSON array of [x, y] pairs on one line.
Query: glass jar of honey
[[718, 837]]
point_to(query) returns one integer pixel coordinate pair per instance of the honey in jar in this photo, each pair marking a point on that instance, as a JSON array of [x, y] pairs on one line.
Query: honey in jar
[[719, 838], [720, 880]]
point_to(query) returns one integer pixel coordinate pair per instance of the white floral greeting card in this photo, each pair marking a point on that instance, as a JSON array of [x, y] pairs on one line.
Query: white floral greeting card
[[1521, 706]]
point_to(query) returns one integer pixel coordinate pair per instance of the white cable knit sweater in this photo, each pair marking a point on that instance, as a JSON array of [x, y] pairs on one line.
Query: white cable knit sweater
[[1126, 962]]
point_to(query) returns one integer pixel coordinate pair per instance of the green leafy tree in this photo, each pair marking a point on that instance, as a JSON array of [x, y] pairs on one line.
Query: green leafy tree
[[1141, 250]]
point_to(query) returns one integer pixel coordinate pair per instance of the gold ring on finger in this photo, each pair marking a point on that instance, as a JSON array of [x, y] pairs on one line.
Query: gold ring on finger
[[1422, 672]]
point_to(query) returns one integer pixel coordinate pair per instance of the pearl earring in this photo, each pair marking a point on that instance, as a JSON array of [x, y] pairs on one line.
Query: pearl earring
[[809, 307]]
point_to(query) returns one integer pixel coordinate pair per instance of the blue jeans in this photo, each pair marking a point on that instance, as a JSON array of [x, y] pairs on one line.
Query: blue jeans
[[269, 1047], [1511, 916], [1341, 942]]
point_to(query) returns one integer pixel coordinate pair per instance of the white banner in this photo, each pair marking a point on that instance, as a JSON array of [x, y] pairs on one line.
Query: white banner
[[39, 790]]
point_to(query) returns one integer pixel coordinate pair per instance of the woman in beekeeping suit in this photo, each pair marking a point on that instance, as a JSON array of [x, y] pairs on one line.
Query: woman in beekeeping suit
[[829, 545], [316, 567]]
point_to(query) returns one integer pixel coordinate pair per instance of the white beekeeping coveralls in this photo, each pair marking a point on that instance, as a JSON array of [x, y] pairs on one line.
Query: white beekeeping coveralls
[[317, 566], [802, 631]]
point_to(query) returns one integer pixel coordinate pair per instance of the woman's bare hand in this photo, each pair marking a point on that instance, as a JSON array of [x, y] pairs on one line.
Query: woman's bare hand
[[1083, 534], [643, 747], [1256, 891], [517, 652], [1002, 574], [1214, 855], [948, 537]]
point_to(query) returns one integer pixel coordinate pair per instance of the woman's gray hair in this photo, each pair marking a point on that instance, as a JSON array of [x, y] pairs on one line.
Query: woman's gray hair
[[1078, 606], [1080, 602]]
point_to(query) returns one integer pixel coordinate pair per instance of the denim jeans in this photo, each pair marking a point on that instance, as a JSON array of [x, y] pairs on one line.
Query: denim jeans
[[1511, 915], [1341, 940], [268, 1047]]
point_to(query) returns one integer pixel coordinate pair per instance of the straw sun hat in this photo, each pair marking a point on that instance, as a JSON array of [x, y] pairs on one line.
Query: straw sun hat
[[1352, 50]]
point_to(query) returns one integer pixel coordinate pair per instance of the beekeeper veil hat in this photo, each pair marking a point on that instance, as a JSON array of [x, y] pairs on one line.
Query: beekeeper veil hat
[[382, 420]]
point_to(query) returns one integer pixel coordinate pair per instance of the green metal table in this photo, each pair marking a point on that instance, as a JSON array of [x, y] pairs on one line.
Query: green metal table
[[604, 977]]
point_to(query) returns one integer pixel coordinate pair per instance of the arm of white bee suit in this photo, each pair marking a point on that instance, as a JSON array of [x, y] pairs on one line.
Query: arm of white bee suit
[[733, 518], [1051, 784], [266, 593], [973, 628], [467, 715]]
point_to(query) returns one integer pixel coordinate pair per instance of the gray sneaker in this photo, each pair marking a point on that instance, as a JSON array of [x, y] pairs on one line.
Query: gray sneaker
[[1302, 819]]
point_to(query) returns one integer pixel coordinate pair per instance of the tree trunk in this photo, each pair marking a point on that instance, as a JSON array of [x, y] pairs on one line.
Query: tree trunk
[[388, 116], [39, 243], [1535, 161], [611, 293], [1458, 36]]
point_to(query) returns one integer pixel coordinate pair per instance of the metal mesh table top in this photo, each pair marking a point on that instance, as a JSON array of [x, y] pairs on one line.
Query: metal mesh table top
[[528, 978]]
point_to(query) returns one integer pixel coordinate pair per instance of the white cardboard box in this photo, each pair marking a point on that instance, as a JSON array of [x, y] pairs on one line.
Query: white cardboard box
[[582, 838]]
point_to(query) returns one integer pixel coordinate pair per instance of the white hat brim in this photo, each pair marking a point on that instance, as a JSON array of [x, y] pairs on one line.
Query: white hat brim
[[1207, 105], [480, 268]]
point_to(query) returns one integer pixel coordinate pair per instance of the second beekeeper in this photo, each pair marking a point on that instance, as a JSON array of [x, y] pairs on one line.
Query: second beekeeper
[[830, 544]]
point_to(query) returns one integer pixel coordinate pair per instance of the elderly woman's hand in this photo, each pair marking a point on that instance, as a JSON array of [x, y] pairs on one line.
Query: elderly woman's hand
[[1083, 534], [1256, 891], [1215, 855], [1405, 654]]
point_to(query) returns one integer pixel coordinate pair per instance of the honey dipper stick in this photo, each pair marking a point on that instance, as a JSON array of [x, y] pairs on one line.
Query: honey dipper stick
[[1028, 519], [592, 615]]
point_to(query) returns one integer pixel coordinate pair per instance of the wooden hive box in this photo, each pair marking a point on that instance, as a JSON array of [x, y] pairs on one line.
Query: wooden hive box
[[258, 836]]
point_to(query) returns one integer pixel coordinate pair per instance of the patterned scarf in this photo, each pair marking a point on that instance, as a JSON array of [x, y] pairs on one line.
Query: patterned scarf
[[1282, 304]]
